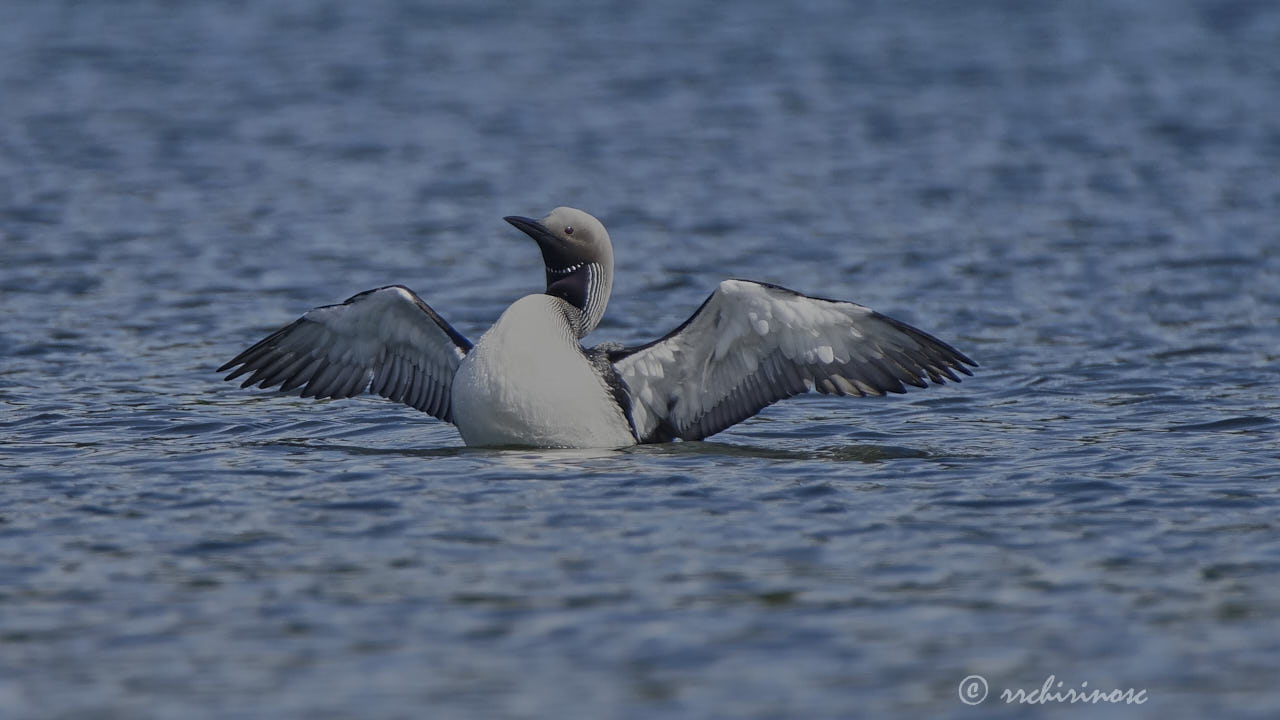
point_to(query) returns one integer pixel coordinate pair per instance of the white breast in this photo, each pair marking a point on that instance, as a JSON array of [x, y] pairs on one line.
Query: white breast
[[527, 382]]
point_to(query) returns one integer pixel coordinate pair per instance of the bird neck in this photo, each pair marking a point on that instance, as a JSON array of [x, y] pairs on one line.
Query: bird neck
[[585, 287]]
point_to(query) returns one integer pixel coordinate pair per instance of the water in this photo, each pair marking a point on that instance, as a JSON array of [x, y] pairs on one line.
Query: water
[[1082, 196]]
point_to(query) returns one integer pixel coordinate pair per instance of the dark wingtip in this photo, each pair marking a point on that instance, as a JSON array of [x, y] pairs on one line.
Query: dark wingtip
[[237, 373], [958, 364], [237, 360]]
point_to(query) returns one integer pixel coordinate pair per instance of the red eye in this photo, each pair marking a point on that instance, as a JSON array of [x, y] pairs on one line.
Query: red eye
[[568, 229]]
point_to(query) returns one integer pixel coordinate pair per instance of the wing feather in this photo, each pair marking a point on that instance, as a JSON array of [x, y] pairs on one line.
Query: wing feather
[[387, 341], [393, 387], [303, 375], [419, 383], [752, 344]]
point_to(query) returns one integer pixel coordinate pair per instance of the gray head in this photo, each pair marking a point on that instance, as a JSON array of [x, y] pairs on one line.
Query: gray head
[[579, 260]]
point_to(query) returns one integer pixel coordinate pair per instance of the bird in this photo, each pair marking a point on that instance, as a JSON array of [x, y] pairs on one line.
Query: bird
[[529, 382]]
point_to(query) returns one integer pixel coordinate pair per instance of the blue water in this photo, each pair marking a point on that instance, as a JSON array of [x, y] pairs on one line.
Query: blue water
[[1082, 196]]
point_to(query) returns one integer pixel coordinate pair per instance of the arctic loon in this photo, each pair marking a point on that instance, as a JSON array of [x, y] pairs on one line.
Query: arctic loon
[[529, 382]]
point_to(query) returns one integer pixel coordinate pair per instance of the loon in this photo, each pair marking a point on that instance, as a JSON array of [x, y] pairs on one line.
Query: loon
[[528, 381]]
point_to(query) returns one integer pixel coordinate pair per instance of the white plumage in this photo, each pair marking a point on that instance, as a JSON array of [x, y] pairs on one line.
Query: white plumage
[[505, 394]]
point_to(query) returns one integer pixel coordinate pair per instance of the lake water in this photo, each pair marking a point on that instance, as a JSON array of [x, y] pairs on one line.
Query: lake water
[[1084, 197]]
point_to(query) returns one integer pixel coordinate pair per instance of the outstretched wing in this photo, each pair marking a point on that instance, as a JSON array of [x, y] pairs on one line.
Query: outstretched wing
[[386, 340], [752, 344]]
